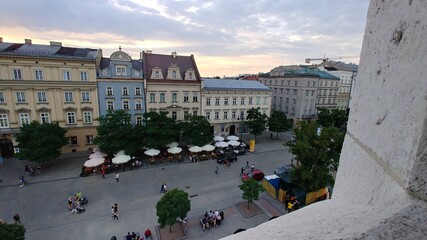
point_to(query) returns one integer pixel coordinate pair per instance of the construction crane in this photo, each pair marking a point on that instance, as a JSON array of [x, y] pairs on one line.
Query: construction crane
[[324, 59]]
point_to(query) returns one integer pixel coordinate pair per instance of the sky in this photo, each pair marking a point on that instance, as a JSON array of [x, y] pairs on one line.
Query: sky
[[226, 37]]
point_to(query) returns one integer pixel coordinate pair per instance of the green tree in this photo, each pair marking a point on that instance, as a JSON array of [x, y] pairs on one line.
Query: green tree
[[332, 118], [256, 121], [40, 142], [11, 231], [251, 190], [115, 132], [317, 155], [174, 203], [196, 130], [278, 122], [160, 129]]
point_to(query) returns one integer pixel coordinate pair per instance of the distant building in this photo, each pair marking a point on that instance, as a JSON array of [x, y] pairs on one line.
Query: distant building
[[225, 103], [48, 83], [172, 84], [121, 85]]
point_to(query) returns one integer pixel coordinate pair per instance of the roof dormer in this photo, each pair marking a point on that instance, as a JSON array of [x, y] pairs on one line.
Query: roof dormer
[[156, 73], [190, 74], [174, 73]]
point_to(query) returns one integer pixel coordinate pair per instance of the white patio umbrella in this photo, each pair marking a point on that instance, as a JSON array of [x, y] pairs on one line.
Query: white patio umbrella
[[97, 154], [172, 144], [195, 149], [232, 138], [152, 152], [234, 143], [94, 162], [174, 150], [221, 144], [218, 139], [208, 148], [121, 157]]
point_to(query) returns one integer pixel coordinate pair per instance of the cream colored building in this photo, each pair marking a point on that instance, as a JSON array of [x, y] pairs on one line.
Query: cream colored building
[[225, 103], [172, 84], [48, 83]]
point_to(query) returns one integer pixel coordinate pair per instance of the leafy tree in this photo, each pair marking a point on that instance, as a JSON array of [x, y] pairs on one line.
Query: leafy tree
[[160, 129], [317, 155], [251, 190], [11, 231], [278, 122], [332, 118], [196, 130], [174, 203], [115, 133], [40, 142], [256, 121]]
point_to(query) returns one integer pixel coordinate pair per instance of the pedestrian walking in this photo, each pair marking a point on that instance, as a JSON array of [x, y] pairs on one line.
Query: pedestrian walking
[[103, 173], [242, 170], [21, 181], [17, 219], [216, 170], [163, 189], [247, 164], [252, 167], [117, 177], [271, 135]]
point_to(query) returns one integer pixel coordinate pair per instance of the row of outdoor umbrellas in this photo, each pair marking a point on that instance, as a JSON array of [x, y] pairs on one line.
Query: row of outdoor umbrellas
[[229, 138]]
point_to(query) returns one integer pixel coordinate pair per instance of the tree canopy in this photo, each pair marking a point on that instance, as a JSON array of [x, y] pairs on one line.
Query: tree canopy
[[40, 142], [251, 190], [196, 130], [278, 122], [256, 121], [317, 155], [11, 231], [115, 132], [332, 118], [173, 204], [160, 129]]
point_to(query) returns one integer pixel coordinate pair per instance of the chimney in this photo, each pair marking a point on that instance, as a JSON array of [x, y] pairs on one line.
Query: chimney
[[174, 54], [53, 43], [28, 41], [1, 40], [148, 51]]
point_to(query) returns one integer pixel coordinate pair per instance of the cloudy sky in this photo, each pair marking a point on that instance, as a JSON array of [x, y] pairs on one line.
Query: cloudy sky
[[227, 37]]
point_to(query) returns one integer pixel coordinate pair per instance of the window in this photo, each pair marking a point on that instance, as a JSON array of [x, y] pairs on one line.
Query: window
[[225, 115], [38, 74], [68, 96], [66, 75], [312, 93], [72, 140], [157, 74], [294, 101], [216, 115], [258, 100], [152, 97], [173, 74], [306, 93], [162, 97], [195, 112], [110, 105], [186, 97], [41, 96], [85, 96], [89, 139], [242, 101], [308, 84], [208, 101], [251, 100], [138, 120], [87, 117], [44, 118], [287, 91], [233, 115], [125, 91], [208, 115], [24, 118], [174, 115], [121, 70], [138, 91], [185, 114], [20, 97], [265, 100], [2, 100], [242, 115], [138, 104], [17, 74], [289, 82], [125, 104], [174, 97], [216, 101], [71, 118], [83, 76], [190, 75], [234, 101], [295, 92], [195, 97], [109, 91], [225, 101], [287, 100], [4, 122]]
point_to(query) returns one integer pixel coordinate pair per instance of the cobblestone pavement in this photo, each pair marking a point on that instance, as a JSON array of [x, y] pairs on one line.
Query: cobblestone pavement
[[42, 203]]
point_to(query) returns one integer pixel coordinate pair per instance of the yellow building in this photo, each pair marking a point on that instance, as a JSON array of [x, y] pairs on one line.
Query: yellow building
[[48, 83]]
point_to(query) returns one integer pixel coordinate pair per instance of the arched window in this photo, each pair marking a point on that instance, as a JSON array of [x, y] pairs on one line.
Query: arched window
[[173, 74], [157, 74]]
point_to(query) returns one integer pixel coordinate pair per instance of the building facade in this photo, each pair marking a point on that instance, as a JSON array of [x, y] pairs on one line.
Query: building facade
[[225, 103], [172, 84], [121, 85], [48, 83]]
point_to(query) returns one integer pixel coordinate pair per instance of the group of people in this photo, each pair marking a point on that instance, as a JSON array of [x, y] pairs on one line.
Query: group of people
[[291, 202], [134, 236], [211, 219], [75, 204], [30, 171]]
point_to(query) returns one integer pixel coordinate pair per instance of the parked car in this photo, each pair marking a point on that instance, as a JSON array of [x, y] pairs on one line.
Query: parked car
[[255, 174], [283, 169], [230, 157]]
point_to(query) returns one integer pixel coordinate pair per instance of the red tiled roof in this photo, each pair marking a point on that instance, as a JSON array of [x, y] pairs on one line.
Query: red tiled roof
[[151, 60], [251, 78]]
